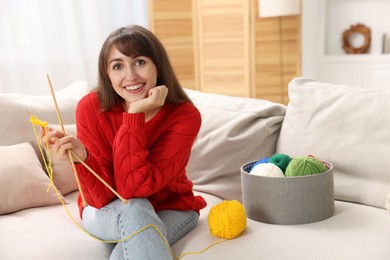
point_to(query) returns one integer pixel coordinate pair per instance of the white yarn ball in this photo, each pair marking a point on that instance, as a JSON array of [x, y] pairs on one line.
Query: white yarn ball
[[267, 169]]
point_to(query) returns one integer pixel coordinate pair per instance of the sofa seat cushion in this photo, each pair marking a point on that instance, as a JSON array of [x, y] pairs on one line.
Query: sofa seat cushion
[[347, 126], [354, 232], [48, 233]]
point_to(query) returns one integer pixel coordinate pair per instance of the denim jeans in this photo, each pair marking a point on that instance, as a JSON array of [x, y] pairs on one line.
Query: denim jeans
[[117, 220]]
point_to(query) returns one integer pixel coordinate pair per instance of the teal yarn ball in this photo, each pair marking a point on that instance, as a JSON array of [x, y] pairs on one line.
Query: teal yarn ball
[[280, 160], [304, 165]]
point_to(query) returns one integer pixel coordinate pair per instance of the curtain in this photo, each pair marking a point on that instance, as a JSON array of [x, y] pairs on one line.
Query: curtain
[[59, 38]]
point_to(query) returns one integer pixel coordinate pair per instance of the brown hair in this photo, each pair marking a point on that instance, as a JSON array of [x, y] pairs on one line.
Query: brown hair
[[135, 41]]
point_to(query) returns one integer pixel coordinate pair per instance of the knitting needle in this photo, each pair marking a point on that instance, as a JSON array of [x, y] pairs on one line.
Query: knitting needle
[[71, 155], [44, 124], [69, 152]]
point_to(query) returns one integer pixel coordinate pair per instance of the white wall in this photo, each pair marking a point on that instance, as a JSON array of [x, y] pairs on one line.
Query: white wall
[[310, 37]]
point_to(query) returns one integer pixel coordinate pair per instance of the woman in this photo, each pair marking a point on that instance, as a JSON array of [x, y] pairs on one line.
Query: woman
[[136, 131]]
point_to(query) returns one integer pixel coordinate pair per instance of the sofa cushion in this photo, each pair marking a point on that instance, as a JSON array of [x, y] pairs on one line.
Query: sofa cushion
[[234, 131], [49, 233], [23, 183], [355, 232], [347, 126], [15, 107]]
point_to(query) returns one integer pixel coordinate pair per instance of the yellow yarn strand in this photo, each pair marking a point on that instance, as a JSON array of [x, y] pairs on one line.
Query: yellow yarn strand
[[48, 165], [201, 251], [35, 121]]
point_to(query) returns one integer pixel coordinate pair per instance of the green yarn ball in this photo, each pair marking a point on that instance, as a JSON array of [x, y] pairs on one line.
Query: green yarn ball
[[280, 160], [304, 165]]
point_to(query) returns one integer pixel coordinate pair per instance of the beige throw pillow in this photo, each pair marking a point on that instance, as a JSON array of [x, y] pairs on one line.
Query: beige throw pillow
[[23, 183], [347, 126], [234, 131]]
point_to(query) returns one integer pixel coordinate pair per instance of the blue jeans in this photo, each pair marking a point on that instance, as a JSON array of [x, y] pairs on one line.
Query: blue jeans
[[117, 220]]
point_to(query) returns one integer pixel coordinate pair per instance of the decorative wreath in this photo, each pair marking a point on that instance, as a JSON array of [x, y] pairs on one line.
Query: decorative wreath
[[360, 29]]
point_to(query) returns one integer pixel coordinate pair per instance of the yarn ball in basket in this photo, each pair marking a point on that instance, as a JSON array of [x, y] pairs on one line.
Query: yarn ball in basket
[[262, 160], [266, 169], [304, 165], [281, 160], [227, 219]]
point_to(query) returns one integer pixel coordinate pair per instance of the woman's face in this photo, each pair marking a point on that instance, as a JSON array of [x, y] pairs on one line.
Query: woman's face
[[132, 78]]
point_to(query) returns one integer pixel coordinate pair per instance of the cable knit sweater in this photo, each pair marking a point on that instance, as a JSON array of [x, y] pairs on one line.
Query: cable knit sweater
[[138, 159]]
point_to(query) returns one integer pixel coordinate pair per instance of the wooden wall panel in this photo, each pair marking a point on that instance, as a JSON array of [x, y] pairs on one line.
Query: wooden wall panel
[[273, 71], [223, 42], [223, 46], [172, 22]]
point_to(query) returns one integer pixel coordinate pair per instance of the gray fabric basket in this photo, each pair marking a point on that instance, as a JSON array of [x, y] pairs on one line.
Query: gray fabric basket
[[289, 200]]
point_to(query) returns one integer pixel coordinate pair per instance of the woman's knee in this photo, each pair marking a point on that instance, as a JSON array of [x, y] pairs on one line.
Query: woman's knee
[[138, 207], [139, 213], [116, 218]]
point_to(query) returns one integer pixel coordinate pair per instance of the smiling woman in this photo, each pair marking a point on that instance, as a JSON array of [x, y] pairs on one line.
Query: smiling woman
[[136, 131], [61, 38]]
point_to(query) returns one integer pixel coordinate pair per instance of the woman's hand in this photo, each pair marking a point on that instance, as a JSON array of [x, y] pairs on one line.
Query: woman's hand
[[59, 144], [155, 100]]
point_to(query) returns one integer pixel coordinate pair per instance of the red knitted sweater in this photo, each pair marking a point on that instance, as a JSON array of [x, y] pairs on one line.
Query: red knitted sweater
[[138, 159]]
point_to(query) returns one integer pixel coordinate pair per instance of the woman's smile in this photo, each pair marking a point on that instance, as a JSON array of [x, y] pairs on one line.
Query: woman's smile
[[133, 88]]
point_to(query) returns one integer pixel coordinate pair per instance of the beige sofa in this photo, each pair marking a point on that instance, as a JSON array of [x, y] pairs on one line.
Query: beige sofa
[[349, 127]]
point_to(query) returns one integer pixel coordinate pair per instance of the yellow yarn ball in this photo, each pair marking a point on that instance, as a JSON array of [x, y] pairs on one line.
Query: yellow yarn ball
[[227, 219]]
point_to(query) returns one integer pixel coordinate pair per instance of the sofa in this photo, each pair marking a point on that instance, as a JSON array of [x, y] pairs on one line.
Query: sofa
[[344, 125]]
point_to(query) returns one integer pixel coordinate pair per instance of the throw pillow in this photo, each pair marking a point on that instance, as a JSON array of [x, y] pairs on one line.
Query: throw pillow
[[23, 183], [346, 126], [234, 131]]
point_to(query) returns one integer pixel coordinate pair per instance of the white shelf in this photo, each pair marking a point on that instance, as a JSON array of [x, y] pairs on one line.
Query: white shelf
[[357, 58], [323, 22]]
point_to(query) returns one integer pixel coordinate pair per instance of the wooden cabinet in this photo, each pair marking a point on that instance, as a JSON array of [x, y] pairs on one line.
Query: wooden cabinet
[[222, 46]]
